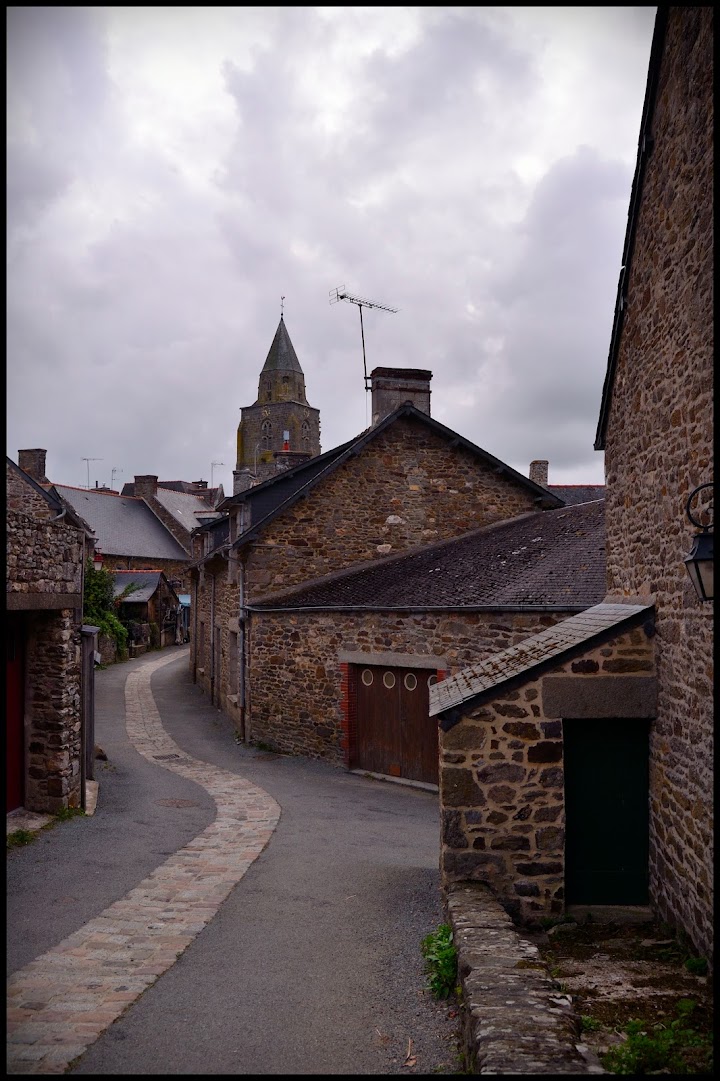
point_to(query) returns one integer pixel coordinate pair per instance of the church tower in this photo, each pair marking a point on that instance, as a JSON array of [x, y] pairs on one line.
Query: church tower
[[280, 429]]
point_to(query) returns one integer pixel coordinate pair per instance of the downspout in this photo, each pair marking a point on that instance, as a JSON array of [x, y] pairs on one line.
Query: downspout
[[212, 639], [242, 638]]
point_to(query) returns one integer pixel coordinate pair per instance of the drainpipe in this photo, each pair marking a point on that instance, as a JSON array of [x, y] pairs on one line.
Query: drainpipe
[[212, 639], [242, 616]]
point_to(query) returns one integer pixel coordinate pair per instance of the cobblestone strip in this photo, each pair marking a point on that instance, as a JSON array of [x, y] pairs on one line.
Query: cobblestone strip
[[63, 1000]]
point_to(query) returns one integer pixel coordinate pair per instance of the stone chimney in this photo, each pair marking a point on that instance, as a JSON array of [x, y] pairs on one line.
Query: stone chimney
[[539, 471], [391, 387], [32, 462], [146, 486]]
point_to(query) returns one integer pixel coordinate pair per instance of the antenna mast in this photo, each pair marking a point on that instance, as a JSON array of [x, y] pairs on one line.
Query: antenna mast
[[341, 294], [212, 470], [88, 460]]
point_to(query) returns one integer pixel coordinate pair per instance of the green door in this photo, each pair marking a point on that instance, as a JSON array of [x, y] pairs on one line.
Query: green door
[[606, 811]]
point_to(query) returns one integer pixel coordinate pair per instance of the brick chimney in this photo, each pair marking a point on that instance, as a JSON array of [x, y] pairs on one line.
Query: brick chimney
[[391, 387], [146, 487], [32, 462], [539, 471]]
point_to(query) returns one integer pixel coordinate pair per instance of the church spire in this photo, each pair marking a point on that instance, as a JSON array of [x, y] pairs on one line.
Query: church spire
[[282, 356]]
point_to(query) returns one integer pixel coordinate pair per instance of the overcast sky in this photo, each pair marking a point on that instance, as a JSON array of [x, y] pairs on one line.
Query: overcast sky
[[172, 172]]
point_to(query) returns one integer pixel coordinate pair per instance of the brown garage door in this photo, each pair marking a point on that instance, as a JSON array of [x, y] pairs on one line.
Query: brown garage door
[[395, 734]]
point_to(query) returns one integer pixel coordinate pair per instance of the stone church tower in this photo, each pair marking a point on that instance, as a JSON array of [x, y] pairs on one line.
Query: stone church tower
[[280, 429]]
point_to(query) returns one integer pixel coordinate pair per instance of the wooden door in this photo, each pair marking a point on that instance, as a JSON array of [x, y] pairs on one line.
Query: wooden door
[[395, 734], [14, 714], [607, 811]]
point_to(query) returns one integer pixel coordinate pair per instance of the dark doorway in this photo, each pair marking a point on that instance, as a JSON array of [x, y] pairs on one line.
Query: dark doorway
[[607, 812], [395, 734], [14, 714]]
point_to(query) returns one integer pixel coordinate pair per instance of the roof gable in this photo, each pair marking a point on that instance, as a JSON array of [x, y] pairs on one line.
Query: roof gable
[[272, 501], [549, 646]]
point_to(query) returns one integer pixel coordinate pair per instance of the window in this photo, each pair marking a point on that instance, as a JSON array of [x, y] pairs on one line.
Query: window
[[266, 434], [305, 434]]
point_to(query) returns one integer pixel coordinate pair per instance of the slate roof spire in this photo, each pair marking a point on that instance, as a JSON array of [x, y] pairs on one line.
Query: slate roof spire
[[282, 356]]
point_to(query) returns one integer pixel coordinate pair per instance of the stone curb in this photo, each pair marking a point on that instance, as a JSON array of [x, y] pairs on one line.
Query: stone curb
[[64, 1000], [515, 1019]]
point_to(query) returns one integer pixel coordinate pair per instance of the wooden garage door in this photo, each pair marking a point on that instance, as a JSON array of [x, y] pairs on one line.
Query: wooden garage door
[[395, 734], [607, 811]]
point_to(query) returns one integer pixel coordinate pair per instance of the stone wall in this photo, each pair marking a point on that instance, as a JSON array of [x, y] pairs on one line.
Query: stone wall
[[296, 665], [52, 711], [406, 488], [171, 568], [659, 446], [502, 778], [42, 556], [44, 582]]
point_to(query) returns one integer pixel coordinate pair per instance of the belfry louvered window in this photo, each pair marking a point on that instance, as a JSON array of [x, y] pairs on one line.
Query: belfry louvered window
[[266, 434]]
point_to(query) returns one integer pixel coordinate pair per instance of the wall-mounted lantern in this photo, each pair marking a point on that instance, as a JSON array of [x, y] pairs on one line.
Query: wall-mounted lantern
[[98, 560], [700, 561]]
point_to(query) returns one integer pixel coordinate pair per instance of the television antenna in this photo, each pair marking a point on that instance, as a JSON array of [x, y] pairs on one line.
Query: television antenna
[[88, 460], [212, 467], [113, 471], [341, 294]]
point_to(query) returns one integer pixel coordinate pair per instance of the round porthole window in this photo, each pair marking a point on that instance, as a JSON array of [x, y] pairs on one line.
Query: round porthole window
[[410, 682], [432, 680], [389, 679], [367, 677]]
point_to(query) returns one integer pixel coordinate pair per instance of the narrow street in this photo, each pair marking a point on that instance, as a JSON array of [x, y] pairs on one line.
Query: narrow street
[[225, 910]]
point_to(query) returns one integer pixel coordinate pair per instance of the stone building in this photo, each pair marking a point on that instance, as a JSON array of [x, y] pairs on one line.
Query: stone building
[[405, 484], [281, 428], [539, 747], [45, 678]]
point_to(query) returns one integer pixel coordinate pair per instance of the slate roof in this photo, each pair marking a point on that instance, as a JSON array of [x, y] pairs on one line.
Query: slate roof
[[547, 558], [147, 582], [578, 493], [282, 356], [187, 508], [482, 680], [123, 526]]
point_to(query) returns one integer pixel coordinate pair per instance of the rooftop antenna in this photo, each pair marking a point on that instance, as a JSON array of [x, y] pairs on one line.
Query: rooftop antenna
[[88, 460], [212, 467], [113, 471], [341, 294]]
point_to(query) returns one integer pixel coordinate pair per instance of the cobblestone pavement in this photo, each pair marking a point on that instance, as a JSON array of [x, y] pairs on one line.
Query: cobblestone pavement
[[63, 1000]]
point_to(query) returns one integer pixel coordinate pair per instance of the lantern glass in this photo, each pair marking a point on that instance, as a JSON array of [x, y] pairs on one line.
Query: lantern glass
[[700, 566]]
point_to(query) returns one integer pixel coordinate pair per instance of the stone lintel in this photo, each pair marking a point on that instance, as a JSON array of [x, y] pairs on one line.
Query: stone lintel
[[599, 696], [39, 601], [393, 660]]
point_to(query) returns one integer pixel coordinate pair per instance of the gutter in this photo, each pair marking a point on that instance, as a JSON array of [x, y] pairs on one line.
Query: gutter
[[462, 608]]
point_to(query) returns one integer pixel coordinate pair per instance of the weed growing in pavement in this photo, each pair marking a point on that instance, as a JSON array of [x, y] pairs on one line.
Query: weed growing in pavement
[[440, 956], [697, 966], [589, 1024], [675, 1048], [20, 837], [68, 812]]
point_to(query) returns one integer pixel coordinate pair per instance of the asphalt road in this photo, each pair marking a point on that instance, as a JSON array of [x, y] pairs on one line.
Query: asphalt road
[[311, 965]]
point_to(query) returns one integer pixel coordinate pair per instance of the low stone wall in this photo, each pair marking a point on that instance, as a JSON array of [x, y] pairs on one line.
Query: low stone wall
[[515, 1019]]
